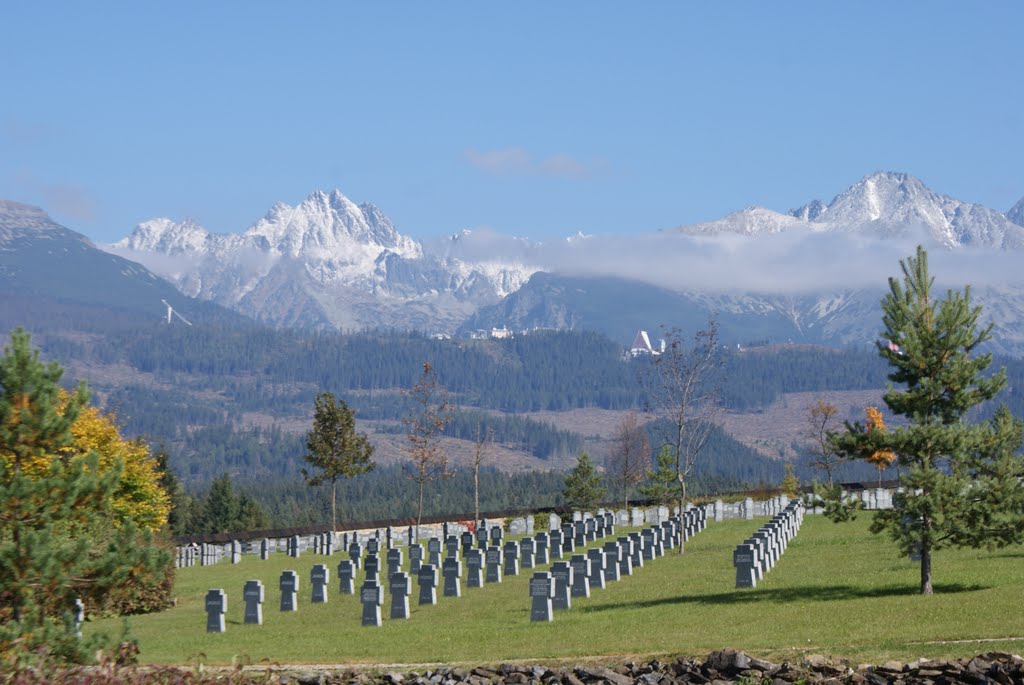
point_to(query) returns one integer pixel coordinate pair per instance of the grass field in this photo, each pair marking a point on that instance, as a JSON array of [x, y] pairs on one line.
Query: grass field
[[838, 590]]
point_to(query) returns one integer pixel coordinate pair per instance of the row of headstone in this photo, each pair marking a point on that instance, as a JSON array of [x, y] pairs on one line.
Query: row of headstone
[[583, 573], [489, 565], [758, 554]]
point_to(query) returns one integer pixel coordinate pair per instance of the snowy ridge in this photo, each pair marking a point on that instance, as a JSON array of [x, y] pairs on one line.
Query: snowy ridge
[[1016, 213], [317, 263], [883, 204]]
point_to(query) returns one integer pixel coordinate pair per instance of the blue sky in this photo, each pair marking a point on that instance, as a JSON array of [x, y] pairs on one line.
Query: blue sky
[[536, 119]]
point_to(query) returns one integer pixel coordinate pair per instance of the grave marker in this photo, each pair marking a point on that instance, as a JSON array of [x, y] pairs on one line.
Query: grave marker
[[562, 573], [580, 566], [346, 577], [451, 569], [319, 576], [415, 557], [493, 559], [474, 566], [394, 561], [542, 592], [400, 590], [371, 595], [216, 607], [289, 585], [511, 556], [252, 593], [427, 577]]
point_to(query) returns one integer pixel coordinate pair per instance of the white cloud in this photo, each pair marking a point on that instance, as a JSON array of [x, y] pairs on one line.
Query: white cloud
[[516, 160]]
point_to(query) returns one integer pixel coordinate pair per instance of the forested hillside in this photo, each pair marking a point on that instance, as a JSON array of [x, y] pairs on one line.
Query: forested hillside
[[238, 399]]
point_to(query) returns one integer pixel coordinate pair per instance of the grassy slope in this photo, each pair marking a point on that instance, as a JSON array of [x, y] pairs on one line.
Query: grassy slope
[[837, 590]]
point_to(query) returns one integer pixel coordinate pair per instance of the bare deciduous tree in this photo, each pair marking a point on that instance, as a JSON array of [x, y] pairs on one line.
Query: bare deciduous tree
[[481, 443], [821, 419], [427, 459], [681, 386], [630, 456]]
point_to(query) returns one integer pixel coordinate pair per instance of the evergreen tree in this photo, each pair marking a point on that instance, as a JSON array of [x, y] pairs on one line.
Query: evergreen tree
[[661, 482], [224, 511], [790, 483], [961, 479], [334, 447], [583, 487], [49, 552]]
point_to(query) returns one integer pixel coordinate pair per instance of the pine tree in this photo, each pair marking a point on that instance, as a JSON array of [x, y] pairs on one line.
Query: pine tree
[[661, 482], [583, 487], [49, 553], [334, 447], [960, 479]]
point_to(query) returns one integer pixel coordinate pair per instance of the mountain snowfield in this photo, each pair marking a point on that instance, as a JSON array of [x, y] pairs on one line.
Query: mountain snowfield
[[326, 262], [884, 204], [330, 263]]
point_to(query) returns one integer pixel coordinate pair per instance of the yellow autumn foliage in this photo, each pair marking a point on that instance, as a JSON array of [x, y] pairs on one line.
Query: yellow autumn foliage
[[139, 496]]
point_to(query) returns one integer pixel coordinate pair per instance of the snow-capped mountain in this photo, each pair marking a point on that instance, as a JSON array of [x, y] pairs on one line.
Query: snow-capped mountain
[[1016, 213], [883, 204], [326, 262], [329, 262]]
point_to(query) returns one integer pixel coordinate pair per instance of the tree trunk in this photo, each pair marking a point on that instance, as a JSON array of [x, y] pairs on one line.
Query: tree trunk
[[419, 512], [682, 508], [926, 556], [476, 491], [334, 505]]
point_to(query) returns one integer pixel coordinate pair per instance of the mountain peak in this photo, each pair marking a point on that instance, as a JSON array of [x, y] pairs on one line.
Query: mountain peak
[[1016, 213]]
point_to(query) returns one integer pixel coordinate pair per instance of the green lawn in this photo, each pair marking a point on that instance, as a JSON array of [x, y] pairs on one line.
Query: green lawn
[[837, 590]]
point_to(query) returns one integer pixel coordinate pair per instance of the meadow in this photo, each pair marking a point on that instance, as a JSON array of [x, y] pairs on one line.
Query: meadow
[[838, 590]]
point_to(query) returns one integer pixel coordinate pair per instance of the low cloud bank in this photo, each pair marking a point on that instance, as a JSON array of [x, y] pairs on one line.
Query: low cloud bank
[[788, 263]]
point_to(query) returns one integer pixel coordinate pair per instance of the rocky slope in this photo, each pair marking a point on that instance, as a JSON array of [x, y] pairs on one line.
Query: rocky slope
[[326, 262]]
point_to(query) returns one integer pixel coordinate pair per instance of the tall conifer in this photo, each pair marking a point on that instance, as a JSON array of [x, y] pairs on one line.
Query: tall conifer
[[961, 479]]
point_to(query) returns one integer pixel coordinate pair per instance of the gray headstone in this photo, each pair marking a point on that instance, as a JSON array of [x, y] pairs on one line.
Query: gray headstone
[[542, 592], [541, 549], [434, 552], [252, 593], [474, 566], [355, 553], [371, 565], [562, 573], [415, 557], [493, 560], [554, 522], [400, 591], [394, 561], [451, 569], [216, 607], [427, 577], [511, 559], [526, 547], [580, 575], [319, 576], [289, 585], [264, 549], [371, 596], [743, 560], [596, 557], [346, 577]]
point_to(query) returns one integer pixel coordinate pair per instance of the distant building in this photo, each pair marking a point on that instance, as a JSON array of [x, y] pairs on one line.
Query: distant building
[[642, 346], [501, 333]]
